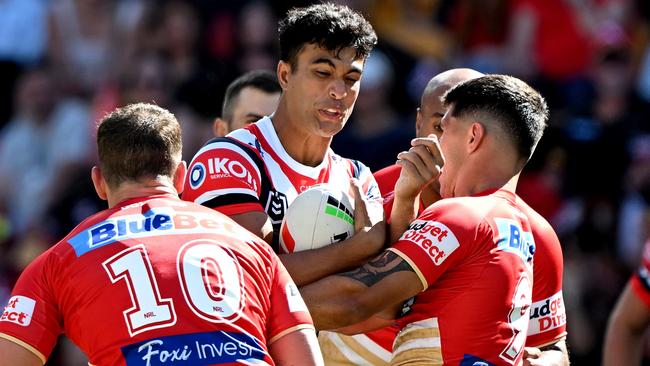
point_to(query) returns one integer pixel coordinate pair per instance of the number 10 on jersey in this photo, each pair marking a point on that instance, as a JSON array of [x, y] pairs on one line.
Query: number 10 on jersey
[[209, 275]]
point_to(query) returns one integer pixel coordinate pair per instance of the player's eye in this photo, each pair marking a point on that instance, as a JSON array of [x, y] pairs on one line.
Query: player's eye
[[322, 73]]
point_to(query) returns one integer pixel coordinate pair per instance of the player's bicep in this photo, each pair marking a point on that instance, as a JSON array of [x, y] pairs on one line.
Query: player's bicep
[[257, 222], [221, 175], [13, 354]]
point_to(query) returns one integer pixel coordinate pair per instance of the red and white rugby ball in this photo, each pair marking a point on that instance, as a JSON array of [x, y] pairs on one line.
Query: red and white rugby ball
[[319, 216]]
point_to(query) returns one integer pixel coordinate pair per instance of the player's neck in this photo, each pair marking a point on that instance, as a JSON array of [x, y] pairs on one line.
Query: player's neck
[[479, 179], [306, 149], [130, 190]]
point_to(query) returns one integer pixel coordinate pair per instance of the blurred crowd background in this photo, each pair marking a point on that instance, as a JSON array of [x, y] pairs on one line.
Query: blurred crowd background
[[64, 63]]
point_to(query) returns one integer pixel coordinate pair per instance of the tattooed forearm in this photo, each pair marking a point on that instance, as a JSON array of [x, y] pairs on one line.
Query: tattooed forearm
[[374, 271]]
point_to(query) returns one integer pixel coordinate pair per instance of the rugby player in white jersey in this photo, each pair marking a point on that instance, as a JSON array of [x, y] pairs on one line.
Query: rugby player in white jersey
[[253, 174]]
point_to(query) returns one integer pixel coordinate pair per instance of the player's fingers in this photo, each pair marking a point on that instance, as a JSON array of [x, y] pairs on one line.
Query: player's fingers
[[409, 169], [431, 163], [361, 216], [433, 145], [532, 352], [415, 156]]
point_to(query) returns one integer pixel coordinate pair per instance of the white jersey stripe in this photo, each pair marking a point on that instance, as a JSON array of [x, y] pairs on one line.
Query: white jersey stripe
[[271, 137]]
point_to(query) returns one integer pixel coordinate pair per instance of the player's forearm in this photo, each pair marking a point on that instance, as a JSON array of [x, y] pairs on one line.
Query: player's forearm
[[333, 302], [311, 265], [403, 213]]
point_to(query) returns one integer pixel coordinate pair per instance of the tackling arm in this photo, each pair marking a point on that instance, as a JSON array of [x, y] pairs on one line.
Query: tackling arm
[[311, 265], [350, 298]]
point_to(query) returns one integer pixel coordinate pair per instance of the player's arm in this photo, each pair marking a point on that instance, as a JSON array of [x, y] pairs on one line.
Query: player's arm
[[13, 354], [554, 354], [299, 347], [421, 165], [257, 222], [627, 324], [310, 265], [352, 297]]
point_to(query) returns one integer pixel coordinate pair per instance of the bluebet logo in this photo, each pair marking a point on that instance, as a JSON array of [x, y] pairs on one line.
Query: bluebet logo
[[196, 349], [515, 240], [155, 222]]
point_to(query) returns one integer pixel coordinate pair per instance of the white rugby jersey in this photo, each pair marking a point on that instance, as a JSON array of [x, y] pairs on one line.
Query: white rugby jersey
[[249, 170]]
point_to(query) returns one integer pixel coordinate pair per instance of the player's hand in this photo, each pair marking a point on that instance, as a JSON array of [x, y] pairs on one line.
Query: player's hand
[[531, 356], [361, 215], [368, 219], [421, 165]]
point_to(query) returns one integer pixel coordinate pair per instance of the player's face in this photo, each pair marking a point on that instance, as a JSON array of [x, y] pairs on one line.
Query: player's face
[[252, 104], [430, 114], [452, 147], [322, 89]]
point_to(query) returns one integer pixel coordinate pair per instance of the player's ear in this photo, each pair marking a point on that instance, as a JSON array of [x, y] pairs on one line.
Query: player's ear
[[179, 176], [475, 136], [219, 127], [98, 182], [284, 69]]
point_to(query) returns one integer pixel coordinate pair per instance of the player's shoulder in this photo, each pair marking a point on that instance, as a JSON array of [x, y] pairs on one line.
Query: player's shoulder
[[464, 208], [540, 226]]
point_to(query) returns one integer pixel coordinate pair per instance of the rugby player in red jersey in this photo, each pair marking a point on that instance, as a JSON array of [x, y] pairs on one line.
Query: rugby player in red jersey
[[156, 280], [469, 257], [545, 343]]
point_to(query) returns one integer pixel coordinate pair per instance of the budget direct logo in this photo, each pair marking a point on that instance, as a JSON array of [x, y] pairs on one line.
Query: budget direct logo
[[434, 237], [547, 314], [19, 311]]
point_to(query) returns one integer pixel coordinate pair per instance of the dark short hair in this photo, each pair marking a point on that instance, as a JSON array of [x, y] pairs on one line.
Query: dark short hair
[[517, 108], [263, 80], [138, 141], [328, 25]]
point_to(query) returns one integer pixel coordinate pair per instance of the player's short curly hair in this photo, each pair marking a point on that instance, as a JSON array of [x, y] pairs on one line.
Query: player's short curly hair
[[513, 105], [139, 141], [328, 25]]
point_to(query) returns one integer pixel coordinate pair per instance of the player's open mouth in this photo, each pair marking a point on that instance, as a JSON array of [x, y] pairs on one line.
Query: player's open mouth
[[331, 113]]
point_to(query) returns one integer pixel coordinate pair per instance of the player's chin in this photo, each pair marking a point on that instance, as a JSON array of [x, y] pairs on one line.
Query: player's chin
[[329, 128]]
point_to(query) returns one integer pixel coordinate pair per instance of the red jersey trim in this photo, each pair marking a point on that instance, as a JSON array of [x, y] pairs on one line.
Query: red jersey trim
[[559, 337], [290, 330], [240, 208], [414, 266], [24, 345], [640, 290]]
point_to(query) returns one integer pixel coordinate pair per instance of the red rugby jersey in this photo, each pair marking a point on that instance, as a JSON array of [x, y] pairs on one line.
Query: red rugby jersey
[[474, 258], [641, 279], [548, 315], [155, 280]]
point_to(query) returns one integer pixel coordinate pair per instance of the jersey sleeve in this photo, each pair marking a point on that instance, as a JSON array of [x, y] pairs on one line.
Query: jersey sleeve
[[288, 310], [547, 312], [225, 177], [641, 279], [432, 242], [31, 318]]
